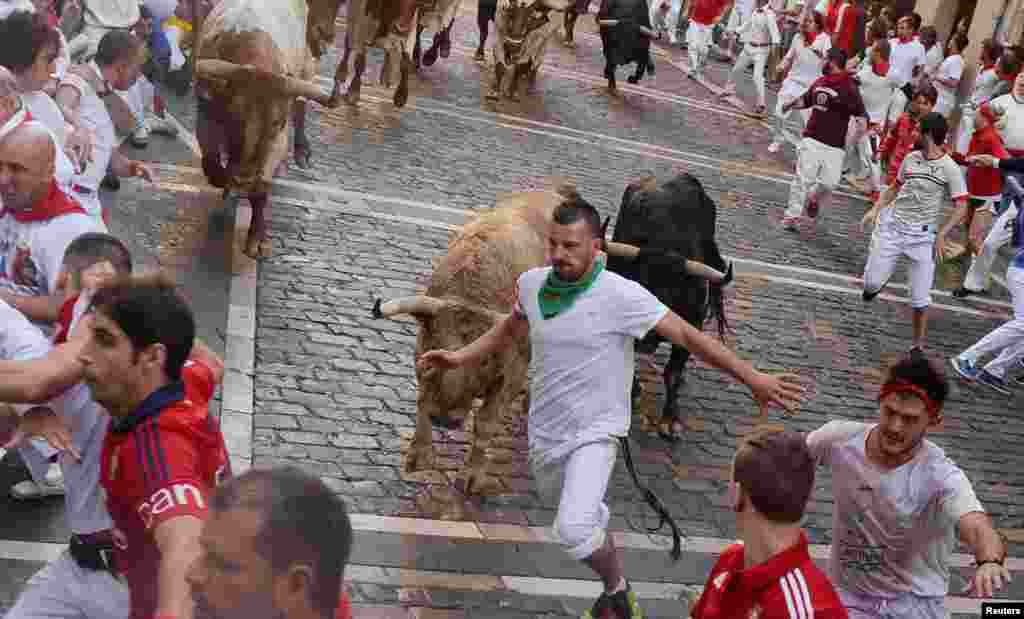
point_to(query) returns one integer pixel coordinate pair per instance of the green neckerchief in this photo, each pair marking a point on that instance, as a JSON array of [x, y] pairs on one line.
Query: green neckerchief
[[556, 296]]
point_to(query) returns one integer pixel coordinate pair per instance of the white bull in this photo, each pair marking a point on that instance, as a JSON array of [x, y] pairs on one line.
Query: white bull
[[254, 60]]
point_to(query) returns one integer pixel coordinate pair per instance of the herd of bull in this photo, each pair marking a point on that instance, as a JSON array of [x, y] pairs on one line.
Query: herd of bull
[[256, 66]]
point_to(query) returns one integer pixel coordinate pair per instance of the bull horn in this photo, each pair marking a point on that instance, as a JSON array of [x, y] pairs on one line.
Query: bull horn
[[418, 305], [608, 22], [283, 85], [647, 32], [693, 267]]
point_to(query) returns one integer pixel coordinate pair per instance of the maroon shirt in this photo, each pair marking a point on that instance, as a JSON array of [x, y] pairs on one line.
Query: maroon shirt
[[833, 100]]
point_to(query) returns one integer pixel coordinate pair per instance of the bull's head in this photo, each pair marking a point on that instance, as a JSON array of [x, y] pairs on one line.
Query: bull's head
[[257, 104], [520, 18], [320, 27], [446, 396]]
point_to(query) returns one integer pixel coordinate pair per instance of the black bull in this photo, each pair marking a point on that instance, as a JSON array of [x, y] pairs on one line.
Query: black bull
[[624, 43], [678, 218]]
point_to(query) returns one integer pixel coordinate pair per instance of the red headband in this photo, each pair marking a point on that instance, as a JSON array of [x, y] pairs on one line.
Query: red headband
[[902, 386]]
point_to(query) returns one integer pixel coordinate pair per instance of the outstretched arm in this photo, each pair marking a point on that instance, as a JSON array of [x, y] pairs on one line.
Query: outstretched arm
[[498, 338], [976, 531], [782, 390]]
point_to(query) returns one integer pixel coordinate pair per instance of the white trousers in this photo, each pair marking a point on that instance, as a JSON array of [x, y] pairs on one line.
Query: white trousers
[[698, 45], [790, 91], [139, 98], [672, 19], [577, 483], [757, 56], [818, 170], [897, 104], [907, 606], [1009, 338], [860, 158], [963, 139], [63, 590], [891, 240], [999, 235]]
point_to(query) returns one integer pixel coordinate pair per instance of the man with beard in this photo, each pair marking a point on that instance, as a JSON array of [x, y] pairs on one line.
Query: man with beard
[[163, 453], [274, 544], [905, 220], [834, 99], [901, 504], [582, 322]]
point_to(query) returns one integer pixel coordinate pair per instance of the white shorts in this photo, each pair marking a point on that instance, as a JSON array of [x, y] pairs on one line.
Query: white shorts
[[577, 484], [907, 606], [891, 240], [63, 590]]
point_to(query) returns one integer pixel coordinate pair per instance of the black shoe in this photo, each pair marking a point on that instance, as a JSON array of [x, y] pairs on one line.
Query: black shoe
[[870, 296], [111, 182], [917, 353], [621, 605], [963, 292]]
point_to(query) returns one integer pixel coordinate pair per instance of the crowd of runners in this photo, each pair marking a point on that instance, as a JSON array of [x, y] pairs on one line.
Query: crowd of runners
[[108, 387]]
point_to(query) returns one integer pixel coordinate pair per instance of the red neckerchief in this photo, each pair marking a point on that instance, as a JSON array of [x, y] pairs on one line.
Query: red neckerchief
[[1011, 78], [833, 79], [809, 37], [988, 67], [55, 204], [906, 40], [881, 69]]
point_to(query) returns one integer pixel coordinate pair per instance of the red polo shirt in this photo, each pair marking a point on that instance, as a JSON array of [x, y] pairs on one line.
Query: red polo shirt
[[706, 11], [162, 461], [787, 586]]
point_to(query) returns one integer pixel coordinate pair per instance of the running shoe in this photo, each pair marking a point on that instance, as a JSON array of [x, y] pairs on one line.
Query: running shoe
[[963, 292], [791, 223], [812, 209], [998, 384], [965, 368], [917, 353], [621, 605]]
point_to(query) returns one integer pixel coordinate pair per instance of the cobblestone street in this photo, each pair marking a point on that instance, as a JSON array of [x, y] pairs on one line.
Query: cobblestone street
[[316, 381]]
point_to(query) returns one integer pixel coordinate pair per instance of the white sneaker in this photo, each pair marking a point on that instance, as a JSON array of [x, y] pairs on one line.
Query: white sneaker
[[54, 475], [28, 490], [140, 137], [774, 147], [162, 126]]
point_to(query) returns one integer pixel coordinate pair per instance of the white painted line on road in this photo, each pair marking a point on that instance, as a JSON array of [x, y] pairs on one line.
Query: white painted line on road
[[319, 189]]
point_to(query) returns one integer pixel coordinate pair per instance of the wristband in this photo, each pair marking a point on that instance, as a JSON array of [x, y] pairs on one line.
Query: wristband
[[998, 562]]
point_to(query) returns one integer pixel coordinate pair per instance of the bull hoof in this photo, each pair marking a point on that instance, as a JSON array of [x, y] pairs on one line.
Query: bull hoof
[[493, 95], [483, 484], [420, 458], [633, 79], [430, 57], [401, 97], [302, 157], [257, 245]]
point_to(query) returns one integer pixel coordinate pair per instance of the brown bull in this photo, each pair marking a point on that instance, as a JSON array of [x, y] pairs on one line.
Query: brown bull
[[254, 59], [472, 287]]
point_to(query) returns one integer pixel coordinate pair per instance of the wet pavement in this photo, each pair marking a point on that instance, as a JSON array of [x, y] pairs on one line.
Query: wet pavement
[[333, 390]]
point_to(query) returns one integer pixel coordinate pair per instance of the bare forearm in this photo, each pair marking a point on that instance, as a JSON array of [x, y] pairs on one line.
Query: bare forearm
[[977, 532], [704, 346], [39, 380], [174, 596], [122, 115], [955, 219], [38, 309]]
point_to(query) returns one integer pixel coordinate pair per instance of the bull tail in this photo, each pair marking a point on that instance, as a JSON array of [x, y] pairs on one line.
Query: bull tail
[[716, 292]]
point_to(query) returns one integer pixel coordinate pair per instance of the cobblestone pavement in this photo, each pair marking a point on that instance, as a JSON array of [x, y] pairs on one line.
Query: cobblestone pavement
[[333, 390]]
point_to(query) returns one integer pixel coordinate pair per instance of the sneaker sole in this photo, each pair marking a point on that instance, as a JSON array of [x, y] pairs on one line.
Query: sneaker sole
[[997, 388], [44, 493], [956, 368]]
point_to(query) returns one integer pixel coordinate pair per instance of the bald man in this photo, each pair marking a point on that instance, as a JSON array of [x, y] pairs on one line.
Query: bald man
[[37, 223]]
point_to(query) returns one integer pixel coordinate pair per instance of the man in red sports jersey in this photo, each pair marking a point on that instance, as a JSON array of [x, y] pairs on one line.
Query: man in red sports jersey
[[163, 453], [769, 573]]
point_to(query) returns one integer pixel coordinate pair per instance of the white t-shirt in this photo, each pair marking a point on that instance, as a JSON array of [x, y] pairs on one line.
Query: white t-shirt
[[984, 86], [927, 188], [876, 91], [893, 531], [932, 61], [1011, 125], [581, 361], [904, 58], [952, 68], [84, 499], [94, 117], [762, 28], [807, 62], [31, 253]]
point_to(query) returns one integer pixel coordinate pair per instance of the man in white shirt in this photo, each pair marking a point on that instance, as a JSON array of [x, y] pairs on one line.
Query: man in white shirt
[[760, 35], [876, 87], [933, 55], [901, 504], [582, 322], [81, 97], [802, 67], [906, 216], [738, 16], [947, 78], [906, 62], [985, 84]]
